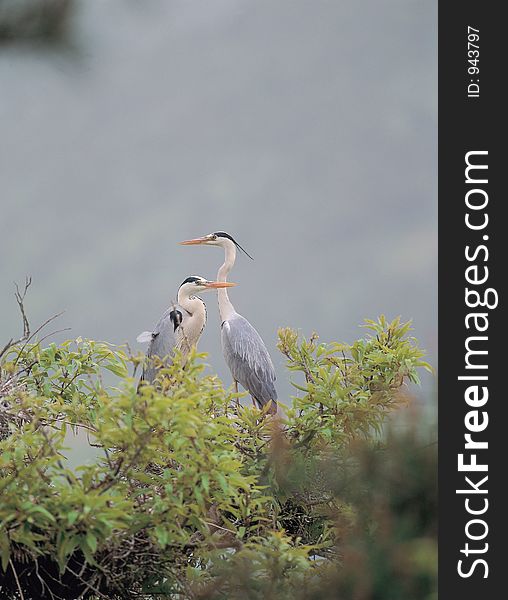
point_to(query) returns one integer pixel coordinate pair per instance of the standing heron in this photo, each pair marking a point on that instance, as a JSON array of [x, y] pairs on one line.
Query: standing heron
[[180, 327], [244, 351]]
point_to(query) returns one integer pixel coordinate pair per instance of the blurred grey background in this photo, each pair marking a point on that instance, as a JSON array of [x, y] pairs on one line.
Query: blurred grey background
[[305, 128]]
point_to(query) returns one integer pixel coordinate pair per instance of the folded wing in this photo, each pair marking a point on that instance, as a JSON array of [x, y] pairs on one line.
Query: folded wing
[[249, 361], [162, 343]]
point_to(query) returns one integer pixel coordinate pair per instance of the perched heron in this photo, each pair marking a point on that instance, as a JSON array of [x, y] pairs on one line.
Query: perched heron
[[244, 351], [180, 327]]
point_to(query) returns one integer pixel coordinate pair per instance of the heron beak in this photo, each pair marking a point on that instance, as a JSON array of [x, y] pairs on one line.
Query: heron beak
[[219, 284], [201, 240]]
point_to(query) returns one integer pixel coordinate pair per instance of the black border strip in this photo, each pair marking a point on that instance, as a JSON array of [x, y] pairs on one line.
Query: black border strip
[[472, 124]]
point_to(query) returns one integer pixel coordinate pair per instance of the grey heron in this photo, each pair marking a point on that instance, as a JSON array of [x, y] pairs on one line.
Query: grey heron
[[244, 351], [180, 327]]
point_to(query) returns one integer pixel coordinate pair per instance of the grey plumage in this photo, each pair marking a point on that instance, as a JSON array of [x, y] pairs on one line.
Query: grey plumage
[[179, 328], [244, 351], [162, 342], [249, 360]]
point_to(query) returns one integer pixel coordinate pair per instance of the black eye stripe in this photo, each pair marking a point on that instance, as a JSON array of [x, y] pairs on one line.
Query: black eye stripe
[[229, 237], [192, 280], [224, 235]]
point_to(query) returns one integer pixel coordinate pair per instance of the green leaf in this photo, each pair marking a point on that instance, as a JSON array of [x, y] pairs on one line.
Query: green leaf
[[5, 550], [91, 540], [118, 369]]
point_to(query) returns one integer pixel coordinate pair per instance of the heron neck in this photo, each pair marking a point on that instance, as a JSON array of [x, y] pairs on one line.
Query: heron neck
[[192, 304], [192, 325], [226, 309]]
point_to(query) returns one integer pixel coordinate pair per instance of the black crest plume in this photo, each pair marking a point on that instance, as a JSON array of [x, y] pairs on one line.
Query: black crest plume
[[229, 237]]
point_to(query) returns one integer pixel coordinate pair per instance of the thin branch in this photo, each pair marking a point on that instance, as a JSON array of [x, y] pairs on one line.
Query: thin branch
[[27, 336], [46, 322], [54, 333], [9, 344], [57, 420], [44, 585], [88, 585], [20, 298], [17, 580]]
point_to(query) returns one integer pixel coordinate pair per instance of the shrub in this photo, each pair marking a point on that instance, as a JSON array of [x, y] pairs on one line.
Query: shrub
[[192, 496]]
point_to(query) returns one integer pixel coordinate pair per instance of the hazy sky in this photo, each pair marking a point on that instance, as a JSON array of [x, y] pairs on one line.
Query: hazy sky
[[305, 128]]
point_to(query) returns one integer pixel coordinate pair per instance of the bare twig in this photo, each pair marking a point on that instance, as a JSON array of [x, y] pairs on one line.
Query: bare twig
[[17, 580], [86, 583], [54, 333], [31, 336], [44, 585], [20, 295], [20, 298]]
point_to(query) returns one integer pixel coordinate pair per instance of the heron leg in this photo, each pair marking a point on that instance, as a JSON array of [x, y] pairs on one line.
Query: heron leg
[[235, 385], [253, 401]]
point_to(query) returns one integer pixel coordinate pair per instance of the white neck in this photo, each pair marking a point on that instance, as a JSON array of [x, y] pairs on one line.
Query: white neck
[[192, 304], [226, 309], [190, 330]]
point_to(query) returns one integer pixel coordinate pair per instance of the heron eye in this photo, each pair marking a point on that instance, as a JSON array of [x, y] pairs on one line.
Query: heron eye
[[214, 237]]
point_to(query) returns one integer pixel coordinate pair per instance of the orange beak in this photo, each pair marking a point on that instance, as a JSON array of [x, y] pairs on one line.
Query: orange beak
[[219, 284], [201, 240]]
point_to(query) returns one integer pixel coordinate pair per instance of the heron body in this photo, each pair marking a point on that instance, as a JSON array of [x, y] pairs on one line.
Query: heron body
[[248, 360], [244, 351], [179, 328]]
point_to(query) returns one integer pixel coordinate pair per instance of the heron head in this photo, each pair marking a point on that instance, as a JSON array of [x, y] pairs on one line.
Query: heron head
[[219, 238], [195, 284]]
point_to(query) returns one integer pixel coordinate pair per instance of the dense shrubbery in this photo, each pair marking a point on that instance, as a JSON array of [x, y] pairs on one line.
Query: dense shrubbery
[[192, 496]]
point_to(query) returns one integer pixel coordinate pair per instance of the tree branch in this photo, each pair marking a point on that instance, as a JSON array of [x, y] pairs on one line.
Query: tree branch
[[20, 299]]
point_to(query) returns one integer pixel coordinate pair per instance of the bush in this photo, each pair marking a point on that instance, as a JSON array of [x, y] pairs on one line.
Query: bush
[[192, 496]]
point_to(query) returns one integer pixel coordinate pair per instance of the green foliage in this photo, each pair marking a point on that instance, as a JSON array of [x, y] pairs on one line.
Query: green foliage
[[193, 496], [348, 390]]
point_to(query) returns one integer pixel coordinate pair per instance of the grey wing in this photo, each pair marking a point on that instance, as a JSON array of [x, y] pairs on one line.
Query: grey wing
[[248, 360], [162, 343]]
